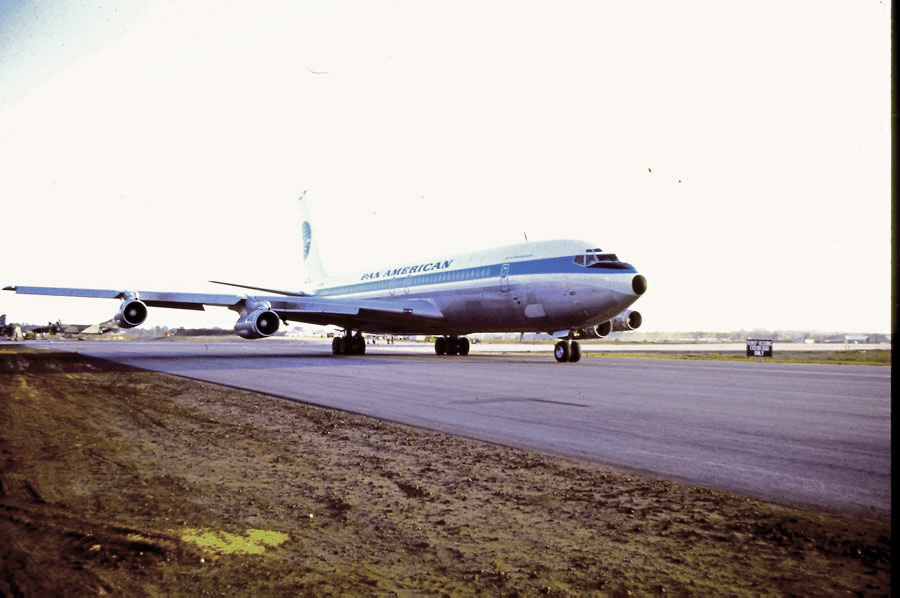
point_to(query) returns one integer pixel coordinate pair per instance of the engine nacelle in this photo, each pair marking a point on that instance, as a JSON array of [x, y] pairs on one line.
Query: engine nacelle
[[627, 320], [257, 324], [132, 313], [598, 331]]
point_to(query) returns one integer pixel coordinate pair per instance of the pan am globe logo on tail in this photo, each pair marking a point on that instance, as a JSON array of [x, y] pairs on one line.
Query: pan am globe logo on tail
[[307, 239]]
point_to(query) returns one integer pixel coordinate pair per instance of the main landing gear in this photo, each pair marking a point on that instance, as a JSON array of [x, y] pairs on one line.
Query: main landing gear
[[567, 350], [451, 345], [349, 344]]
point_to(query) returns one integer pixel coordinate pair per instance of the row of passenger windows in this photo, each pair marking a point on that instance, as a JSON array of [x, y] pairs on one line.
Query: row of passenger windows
[[401, 282]]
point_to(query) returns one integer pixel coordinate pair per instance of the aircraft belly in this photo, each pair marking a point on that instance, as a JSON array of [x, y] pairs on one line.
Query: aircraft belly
[[476, 311], [519, 309], [535, 308], [573, 305], [550, 305]]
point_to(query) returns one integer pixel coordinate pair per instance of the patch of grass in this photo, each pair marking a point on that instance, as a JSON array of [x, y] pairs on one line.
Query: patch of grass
[[856, 357], [254, 541]]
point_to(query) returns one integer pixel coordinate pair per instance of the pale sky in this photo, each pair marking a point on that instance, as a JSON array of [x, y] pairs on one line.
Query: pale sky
[[737, 154]]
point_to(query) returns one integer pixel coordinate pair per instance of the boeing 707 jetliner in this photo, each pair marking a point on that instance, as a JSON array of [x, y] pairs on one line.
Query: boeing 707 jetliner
[[568, 289]]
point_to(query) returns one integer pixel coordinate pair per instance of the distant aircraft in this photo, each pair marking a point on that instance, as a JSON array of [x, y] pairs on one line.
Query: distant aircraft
[[12, 331], [70, 329], [569, 289], [50, 328]]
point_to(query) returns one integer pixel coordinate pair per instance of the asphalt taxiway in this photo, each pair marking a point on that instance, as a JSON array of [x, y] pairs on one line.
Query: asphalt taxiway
[[800, 434]]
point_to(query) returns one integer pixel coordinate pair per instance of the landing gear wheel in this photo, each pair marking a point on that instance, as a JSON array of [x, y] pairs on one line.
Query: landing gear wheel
[[357, 345], [574, 352], [561, 351], [451, 345], [349, 344]]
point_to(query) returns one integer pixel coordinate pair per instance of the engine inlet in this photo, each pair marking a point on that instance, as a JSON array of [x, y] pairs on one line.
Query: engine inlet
[[639, 285]]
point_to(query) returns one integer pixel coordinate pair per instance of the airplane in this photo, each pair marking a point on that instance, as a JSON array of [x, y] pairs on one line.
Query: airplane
[[50, 328], [12, 331], [70, 329], [567, 288], [16, 330]]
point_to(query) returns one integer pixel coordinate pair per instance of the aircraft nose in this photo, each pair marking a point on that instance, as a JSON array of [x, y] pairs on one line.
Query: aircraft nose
[[639, 284]]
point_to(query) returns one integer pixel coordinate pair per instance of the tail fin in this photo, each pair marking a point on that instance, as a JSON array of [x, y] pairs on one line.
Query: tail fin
[[313, 271]]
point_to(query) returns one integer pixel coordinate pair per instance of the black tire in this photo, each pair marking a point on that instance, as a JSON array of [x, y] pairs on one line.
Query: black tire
[[357, 346], [463, 346], [440, 345], [574, 352], [561, 351]]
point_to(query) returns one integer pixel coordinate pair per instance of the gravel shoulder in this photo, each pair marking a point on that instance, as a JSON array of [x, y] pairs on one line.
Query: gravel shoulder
[[121, 481]]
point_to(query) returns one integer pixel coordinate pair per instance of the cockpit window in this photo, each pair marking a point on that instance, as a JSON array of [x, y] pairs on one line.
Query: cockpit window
[[595, 258]]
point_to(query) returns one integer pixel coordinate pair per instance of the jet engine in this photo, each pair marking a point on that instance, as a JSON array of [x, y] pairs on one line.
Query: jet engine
[[627, 320], [259, 323], [132, 313], [598, 331]]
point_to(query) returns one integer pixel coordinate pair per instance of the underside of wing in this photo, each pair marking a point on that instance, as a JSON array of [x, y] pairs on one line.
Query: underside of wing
[[369, 315]]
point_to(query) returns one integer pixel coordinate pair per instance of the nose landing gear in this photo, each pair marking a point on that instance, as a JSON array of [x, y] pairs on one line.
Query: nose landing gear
[[567, 350]]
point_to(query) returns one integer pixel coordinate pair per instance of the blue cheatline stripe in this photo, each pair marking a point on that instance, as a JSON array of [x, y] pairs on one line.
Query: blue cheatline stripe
[[556, 265]]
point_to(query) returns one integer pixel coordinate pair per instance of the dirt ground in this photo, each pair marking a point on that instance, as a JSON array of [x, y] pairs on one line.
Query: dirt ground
[[125, 482]]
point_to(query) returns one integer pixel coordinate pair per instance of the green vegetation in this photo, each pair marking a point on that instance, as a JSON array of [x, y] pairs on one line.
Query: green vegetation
[[855, 357]]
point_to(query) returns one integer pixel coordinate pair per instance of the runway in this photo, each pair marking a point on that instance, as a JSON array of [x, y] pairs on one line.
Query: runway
[[805, 435]]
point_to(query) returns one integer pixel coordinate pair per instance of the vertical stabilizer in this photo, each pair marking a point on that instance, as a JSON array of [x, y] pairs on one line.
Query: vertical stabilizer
[[312, 264]]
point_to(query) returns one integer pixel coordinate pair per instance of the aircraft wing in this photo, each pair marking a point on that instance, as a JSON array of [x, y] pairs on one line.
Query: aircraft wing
[[367, 314], [150, 298]]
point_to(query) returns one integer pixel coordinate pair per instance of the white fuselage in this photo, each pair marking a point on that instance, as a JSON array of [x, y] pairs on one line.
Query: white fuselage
[[537, 286]]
